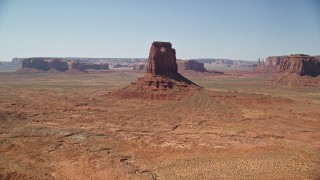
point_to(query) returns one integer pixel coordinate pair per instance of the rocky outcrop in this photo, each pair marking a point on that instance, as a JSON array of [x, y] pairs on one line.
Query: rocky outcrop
[[190, 65], [58, 64], [300, 64], [298, 70], [162, 59], [162, 80]]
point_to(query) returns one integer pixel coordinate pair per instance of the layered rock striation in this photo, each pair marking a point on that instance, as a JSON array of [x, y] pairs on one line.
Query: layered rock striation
[[162, 80], [162, 59], [298, 70], [300, 64]]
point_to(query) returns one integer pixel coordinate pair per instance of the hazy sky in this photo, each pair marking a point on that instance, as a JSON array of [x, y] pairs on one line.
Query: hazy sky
[[235, 29]]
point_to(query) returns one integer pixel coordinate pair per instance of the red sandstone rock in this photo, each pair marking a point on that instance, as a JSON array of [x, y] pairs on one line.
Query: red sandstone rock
[[295, 63], [162, 59], [298, 70], [300, 64], [162, 81]]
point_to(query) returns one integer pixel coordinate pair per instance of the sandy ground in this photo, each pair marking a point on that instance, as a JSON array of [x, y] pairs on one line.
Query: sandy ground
[[70, 127]]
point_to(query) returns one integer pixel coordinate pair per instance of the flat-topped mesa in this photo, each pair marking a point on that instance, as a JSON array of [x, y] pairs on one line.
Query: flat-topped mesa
[[58, 64], [184, 65], [45, 64], [298, 70], [162, 59], [300, 64]]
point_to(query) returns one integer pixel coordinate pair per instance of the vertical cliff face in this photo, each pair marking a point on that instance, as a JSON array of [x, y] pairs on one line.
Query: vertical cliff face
[[300, 64], [45, 64], [162, 59], [36, 63], [298, 70], [58, 65]]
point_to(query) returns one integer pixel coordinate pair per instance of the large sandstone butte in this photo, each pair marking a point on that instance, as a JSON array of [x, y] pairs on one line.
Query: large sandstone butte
[[162, 59], [58, 64], [162, 80], [300, 64], [298, 70]]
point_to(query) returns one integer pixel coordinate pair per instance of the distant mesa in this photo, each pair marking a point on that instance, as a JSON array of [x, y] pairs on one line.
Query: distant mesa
[[271, 65], [296, 70], [227, 62], [45, 65], [273, 61], [184, 65], [139, 67], [162, 80], [58, 65], [97, 66]]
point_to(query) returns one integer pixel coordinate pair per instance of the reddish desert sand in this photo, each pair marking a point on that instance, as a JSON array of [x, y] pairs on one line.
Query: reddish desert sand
[[58, 126]]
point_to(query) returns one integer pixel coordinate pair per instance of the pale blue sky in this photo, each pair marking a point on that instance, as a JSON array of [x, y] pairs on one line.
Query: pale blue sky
[[235, 29]]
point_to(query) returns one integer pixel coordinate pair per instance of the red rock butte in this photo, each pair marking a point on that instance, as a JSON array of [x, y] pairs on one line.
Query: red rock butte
[[162, 59], [162, 80], [296, 70]]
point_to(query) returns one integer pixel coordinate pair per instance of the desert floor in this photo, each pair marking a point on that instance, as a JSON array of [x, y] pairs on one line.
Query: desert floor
[[55, 126]]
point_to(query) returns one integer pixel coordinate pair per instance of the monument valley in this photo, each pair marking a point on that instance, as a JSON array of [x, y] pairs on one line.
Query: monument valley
[[156, 90], [162, 126]]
